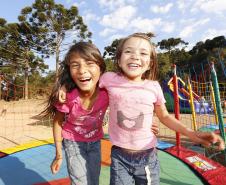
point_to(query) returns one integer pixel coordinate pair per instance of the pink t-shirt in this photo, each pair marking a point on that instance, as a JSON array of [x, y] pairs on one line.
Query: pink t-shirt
[[80, 124], [131, 110]]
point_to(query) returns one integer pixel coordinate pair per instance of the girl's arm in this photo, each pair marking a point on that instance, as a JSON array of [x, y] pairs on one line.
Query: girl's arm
[[170, 121], [204, 138], [57, 129]]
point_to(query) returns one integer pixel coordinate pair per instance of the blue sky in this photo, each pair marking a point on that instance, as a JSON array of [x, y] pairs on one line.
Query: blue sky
[[191, 20]]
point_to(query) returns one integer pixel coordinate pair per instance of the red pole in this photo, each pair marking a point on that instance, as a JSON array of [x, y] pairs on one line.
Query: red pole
[[176, 106]]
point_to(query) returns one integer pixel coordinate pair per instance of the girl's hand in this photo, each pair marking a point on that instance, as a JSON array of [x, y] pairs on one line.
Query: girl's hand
[[62, 94], [209, 139], [56, 164], [155, 128]]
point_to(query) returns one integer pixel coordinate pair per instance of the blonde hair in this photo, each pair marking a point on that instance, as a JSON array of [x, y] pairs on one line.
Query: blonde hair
[[150, 74]]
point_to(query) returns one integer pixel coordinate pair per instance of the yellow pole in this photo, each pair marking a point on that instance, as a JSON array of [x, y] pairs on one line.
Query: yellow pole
[[214, 102], [191, 101]]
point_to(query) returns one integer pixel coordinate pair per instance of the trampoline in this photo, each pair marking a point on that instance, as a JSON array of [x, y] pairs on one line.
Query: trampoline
[[30, 165]]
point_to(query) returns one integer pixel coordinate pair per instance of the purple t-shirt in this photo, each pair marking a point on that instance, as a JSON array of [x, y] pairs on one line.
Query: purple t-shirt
[[131, 110], [80, 124]]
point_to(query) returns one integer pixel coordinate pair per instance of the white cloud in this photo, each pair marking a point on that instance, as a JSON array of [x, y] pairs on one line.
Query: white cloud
[[145, 25], [202, 22], [113, 37], [113, 4], [120, 18], [168, 27], [191, 28], [196, 6], [68, 1], [214, 6], [184, 5], [211, 33], [181, 5], [187, 21], [187, 31], [110, 4], [210, 6], [106, 32], [88, 17], [116, 36], [161, 9]]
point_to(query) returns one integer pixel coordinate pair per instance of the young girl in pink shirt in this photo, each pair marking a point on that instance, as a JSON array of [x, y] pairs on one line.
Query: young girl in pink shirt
[[134, 96], [78, 122]]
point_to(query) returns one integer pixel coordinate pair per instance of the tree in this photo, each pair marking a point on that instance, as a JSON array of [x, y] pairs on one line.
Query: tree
[[174, 54], [216, 42], [110, 51], [110, 65], [164, 66], [57, 24], [171, 43], [17, 49]]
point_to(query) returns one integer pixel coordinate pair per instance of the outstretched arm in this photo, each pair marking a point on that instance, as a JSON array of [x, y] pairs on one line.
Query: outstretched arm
[[205, 138], [57, 129]]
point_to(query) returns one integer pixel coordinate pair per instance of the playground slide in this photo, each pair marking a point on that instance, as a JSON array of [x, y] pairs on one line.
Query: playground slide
[[184, 96], [168, 94], [196, 101]]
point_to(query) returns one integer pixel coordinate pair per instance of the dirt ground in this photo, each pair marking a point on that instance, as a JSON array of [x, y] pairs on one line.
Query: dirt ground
[[20, 123]]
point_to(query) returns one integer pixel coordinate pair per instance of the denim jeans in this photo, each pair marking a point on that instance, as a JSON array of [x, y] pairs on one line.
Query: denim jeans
[[83, 162], [139, 168]]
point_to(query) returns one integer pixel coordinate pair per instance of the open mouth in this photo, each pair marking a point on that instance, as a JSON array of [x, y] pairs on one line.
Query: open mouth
[[133, 65], [83, 80]]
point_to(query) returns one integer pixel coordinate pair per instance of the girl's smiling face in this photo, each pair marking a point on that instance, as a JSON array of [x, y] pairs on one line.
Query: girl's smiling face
[[135, 58], [85, 73]]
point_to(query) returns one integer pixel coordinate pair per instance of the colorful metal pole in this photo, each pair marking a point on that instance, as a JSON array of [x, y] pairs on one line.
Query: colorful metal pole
[[218, 101], [214, 102], [191, 101], [176, 107]]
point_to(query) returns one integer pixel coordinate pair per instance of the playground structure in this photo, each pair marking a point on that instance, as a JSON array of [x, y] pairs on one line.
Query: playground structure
[[184, 96], [26, 140], [199, 89]]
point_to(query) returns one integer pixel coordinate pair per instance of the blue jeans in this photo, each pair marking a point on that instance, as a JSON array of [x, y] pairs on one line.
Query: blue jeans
[[83, 162], [139, 168]]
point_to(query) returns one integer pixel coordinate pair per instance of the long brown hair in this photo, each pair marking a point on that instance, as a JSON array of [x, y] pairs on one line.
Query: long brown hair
[[150, 74], [87, 51]]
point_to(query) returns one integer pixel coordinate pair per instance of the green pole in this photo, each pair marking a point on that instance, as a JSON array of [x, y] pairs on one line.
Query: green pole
[[218, 101]]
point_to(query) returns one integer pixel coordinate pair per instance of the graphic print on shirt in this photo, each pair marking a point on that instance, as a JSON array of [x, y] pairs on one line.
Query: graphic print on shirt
[[129, 112], [92, 124], [130, 123]]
